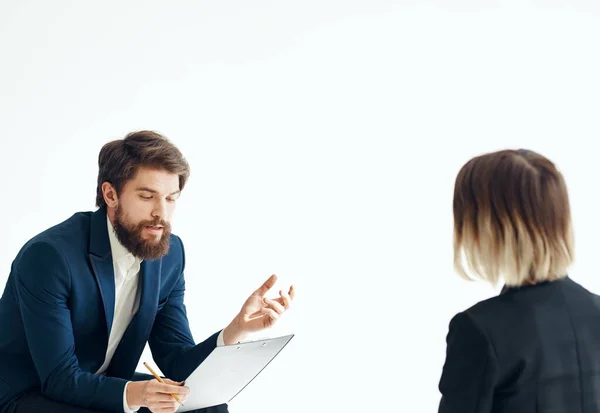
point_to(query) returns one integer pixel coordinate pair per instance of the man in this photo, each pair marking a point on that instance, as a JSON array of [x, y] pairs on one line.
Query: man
[[84, 297]]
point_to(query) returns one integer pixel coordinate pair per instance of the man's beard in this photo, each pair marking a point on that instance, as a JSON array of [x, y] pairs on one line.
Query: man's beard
[[130, 235]]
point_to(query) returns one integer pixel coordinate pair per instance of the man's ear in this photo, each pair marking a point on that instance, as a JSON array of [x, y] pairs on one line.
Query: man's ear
[[110, 195]]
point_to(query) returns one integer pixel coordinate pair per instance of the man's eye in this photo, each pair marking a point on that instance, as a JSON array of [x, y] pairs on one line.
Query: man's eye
[[171, 199], [145, 197]]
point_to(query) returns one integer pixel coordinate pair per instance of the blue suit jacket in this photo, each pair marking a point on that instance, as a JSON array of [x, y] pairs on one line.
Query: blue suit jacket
[[57, 310]]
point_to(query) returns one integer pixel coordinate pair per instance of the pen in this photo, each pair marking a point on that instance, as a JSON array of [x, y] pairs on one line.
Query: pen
[[157, 377]]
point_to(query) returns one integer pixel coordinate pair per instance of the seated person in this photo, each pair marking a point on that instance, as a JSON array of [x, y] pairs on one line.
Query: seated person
[[85, 296]]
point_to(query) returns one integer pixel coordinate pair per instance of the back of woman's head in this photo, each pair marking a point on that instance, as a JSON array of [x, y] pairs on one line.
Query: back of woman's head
[[512, 219]]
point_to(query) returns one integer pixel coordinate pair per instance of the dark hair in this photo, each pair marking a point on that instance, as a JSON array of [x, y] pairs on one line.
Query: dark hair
[[119, 160], [512, 218]]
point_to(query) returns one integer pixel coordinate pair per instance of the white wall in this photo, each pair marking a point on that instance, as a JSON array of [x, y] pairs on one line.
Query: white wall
[[324, 138]]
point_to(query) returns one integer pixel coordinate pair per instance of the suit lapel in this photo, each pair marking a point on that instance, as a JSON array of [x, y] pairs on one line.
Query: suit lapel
[[102, 265], [150, 273]]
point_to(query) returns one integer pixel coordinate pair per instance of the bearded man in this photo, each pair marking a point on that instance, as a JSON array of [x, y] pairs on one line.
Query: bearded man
[[85, 296]]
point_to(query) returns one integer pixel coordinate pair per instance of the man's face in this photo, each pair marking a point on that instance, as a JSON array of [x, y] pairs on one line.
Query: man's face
[[143, 213]]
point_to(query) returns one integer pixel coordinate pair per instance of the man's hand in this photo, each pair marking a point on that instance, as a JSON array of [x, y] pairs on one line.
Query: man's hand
[[156, 396], [258, 312]]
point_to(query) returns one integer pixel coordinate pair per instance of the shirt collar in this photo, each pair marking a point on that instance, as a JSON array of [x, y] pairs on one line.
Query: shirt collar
[[120, 254]]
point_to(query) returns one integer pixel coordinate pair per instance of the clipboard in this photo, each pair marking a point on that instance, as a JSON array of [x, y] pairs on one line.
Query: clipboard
[[228, 370]]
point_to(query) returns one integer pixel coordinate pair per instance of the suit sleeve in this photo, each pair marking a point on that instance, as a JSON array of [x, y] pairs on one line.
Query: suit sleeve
[[171, 342], [468, 376], [43, 285]]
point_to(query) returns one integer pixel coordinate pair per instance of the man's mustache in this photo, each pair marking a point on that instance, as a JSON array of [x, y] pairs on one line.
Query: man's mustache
[[155, 223]]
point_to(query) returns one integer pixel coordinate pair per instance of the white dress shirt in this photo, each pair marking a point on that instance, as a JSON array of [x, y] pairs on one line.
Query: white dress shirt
[[127, 300]]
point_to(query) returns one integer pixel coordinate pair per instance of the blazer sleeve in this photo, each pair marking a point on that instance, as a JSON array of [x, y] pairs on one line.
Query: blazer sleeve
[[171, 342], [43, 284], [468, 376]]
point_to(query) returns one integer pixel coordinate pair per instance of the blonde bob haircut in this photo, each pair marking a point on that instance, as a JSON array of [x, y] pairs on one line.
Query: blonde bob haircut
[[512, 219]]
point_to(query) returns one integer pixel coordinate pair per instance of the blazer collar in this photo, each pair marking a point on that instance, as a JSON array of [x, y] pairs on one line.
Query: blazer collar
[[102, 264], [99, 242], [507, 289]]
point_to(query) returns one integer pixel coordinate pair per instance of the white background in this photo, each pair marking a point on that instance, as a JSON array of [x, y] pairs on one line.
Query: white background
[[324, 138]]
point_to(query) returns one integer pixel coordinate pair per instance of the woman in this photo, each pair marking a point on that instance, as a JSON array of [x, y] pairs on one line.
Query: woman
[[536, 346]]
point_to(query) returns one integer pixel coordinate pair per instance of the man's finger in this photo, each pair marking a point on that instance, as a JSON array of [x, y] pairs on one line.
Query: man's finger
[[267, 285], [275, 305], [292, 292], [269, 312], [173, 383], [165, 407], [160, 398], [169, 404], [285, 299], [169, 388]]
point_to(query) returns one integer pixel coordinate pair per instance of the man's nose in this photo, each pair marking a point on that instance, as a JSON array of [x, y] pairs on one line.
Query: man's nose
[[160, 210]]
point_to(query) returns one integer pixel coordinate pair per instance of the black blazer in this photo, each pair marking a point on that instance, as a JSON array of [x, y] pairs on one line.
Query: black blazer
[[533, 349]]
